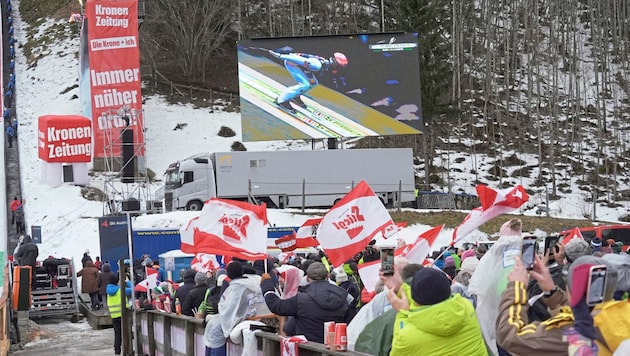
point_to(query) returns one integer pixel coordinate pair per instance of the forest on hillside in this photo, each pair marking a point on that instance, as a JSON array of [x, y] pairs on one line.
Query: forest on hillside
[[530, 76], [502, 80]]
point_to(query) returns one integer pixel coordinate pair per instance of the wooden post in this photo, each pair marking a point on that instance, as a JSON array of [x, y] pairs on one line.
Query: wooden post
[[125, 319], [151, 332]]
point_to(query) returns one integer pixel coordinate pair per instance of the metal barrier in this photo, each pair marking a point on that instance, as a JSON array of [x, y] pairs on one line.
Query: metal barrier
[[168, 334]]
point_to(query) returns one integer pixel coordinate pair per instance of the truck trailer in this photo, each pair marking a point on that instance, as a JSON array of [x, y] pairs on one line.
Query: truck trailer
[[289, 179]]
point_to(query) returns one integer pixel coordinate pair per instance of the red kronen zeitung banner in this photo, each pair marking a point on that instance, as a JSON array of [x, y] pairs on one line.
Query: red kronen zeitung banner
[[114, 74]]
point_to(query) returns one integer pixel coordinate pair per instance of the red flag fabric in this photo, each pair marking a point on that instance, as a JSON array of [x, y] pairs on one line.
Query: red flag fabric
[[148, 283], [227, 227], [286, 243], [306, 234], [417, 252], [493, 204], [204, 262], [352, 223], [368, 272], [574, 234]]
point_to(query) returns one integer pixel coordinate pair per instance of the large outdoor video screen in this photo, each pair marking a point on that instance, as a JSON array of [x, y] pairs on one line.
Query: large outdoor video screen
[[329, 86]]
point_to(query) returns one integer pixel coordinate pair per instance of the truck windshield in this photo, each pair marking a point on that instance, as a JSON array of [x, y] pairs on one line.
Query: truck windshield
[[172, 177]]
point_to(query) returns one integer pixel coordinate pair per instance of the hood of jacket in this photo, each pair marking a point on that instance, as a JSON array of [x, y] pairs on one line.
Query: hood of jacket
[[189, 276], [106, 267], [326, 295], [112, 289], [443, 319], [248, 281]]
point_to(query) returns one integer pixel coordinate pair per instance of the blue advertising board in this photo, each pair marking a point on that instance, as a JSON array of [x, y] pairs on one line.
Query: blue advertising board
[[274, 233], [154, 242], [112, 231]]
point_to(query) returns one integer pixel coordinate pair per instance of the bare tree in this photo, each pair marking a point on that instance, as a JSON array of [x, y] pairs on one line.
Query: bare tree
[[188, 32]]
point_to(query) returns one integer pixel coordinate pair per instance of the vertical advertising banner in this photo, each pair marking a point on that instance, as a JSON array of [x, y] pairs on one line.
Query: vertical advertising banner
[[114, 59], [114, 240]]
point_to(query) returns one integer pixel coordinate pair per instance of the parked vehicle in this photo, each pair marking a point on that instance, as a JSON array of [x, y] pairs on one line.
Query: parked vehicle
[[617, 232], [285, 179]]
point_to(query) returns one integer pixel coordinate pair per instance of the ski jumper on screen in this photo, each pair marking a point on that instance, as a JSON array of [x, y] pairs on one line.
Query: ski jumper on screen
[[302, 66]]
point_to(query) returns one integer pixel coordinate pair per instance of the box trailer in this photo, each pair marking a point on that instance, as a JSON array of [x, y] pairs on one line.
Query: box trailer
[[289, 179]]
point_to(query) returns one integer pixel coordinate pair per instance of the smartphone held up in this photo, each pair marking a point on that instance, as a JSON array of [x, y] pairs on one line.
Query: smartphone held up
[[387, 260], [596, 285], [528, 252]]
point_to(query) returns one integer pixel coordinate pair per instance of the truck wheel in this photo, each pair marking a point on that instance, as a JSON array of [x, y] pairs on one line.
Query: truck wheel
[[194, 205]]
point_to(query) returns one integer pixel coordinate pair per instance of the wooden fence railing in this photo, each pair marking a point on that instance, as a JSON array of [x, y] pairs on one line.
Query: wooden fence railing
[[168, 334]]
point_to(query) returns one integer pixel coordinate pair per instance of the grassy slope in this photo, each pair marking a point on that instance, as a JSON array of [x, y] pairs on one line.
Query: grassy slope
[[452, 219]]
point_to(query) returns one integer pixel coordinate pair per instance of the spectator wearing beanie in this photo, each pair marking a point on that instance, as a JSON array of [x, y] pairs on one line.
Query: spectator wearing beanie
[[320, 301], [575, 249], [238, 302], [195, 296], [441, 324], [596, 245]]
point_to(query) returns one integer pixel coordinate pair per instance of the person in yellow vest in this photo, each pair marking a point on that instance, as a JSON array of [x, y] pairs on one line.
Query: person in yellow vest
[[115, 306]]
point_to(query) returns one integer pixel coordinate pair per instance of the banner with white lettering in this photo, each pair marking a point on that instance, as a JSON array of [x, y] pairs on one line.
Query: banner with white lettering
[[352, 223], [113, 51], [64, 138]]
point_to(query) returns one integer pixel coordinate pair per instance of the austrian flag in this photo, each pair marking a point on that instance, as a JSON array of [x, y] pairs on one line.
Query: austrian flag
[[227, 227], [493, 203], [352, 223]]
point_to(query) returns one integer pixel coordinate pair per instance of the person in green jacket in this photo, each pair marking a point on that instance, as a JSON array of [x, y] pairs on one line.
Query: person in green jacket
[[440, 324]]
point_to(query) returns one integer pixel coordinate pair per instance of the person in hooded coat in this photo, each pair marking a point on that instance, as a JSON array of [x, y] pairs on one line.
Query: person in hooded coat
[[318, 302], [189, 283], [102, 281], [86, 257], [195, 295], [89, 283], [490, 278], [241, 299], [27, 254], [439, 323]]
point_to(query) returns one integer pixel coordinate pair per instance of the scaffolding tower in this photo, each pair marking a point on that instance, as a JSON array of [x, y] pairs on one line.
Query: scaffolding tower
[[124, 192]]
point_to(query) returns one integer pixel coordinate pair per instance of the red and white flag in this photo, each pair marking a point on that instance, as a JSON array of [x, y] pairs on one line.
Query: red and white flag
[[368, 272], [148, 283], [204, 262], [228, 227], [493, 204], [573, 234], [417, 252], [352, 223], [306, 235], [303, 237]]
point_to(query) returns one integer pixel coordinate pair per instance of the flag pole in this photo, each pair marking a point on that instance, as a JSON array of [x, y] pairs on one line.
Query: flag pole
[[266, 270]]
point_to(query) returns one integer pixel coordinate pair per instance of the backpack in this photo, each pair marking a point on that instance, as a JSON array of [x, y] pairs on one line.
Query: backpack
[[10, 131], [210, 303]]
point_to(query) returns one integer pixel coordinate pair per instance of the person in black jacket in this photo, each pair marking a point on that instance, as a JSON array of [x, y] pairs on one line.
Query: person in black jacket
[[195, 296], [86, 257], [102, 281], [189, 283], [27, 254], [316, 303]]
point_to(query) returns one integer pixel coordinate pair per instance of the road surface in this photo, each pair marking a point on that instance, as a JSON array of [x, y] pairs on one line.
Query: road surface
[[59, 336]]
